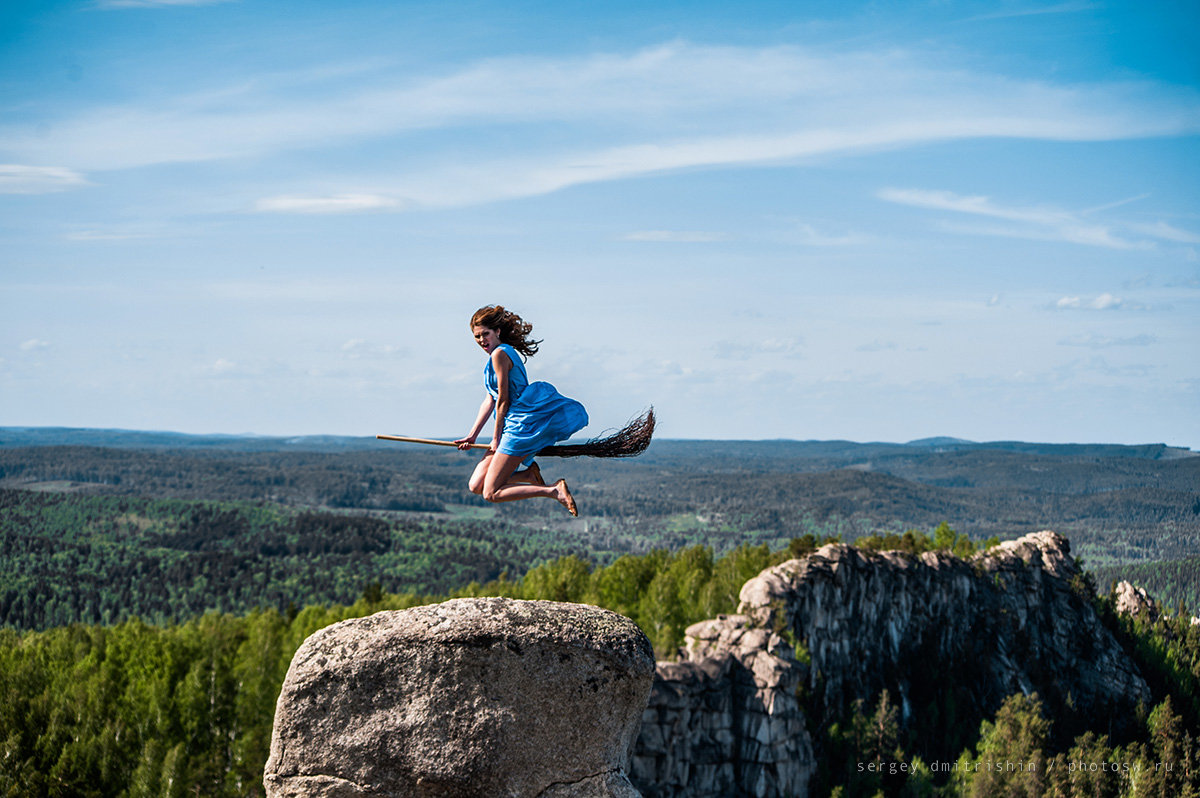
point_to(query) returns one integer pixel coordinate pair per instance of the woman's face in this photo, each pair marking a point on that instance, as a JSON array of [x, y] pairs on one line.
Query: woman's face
[[486, 337]]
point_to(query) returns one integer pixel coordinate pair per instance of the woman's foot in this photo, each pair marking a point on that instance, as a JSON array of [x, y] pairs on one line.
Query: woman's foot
[[565, 498]]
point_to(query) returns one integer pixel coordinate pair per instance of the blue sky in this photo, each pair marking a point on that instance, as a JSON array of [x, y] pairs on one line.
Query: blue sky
[[872, 221]]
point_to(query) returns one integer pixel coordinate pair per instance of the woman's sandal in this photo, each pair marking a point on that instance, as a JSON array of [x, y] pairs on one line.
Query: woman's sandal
[[568, 501]]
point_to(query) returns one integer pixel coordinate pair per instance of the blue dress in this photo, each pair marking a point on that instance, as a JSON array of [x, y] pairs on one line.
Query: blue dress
[[539, 415]]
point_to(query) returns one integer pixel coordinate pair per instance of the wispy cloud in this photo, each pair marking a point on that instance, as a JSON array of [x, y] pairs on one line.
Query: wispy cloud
[[811, 237], [1030, 11], [1097, 365], [359, 348], [155, 3], [1038, 223], [676, 236], [104, 235], [1096, 341], [223, 367], [1167, 232], [1108, 206], [20, 179], [979, 205], [1101, 302], [788, 347], [227, 368], [670, 107], [877, 346], [338, 203]]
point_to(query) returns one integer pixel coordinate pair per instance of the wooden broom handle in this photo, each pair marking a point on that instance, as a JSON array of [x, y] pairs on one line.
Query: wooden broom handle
[[430, 441]]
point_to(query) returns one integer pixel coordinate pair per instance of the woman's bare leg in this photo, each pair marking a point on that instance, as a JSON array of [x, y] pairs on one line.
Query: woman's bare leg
[[531, 475], [498, 485], [475, 483]]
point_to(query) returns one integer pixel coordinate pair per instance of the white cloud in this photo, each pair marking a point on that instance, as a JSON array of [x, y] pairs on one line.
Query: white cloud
[[1060, 8], [20, 179], [810, 236], [675, 236], [339, 203], [1098, 365], [1038, 223], [359, 348], [155, 3], [101, 235], [1096, 341], [877, 346], [789, 347], [224, 367], [669, 107], [1167, 232], [270, 370], [34, 345], [1102, 302]]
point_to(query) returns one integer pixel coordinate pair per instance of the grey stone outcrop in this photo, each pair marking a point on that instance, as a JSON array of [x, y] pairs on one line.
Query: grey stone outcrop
[[727, 719], [843, 624], [1135, 601], [471, 697]]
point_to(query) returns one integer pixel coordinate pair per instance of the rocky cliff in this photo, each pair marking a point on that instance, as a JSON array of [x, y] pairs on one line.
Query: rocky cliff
[[503, 697], [738, 714]]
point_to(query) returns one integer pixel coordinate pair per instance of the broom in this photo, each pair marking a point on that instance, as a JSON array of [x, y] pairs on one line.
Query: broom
[[629, 441]]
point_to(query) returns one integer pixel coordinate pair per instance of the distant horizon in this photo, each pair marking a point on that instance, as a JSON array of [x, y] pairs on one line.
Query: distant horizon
[[926, 441]]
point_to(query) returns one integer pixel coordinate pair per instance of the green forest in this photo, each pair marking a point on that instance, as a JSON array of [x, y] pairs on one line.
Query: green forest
[[1174, 584], [1117, 504], [185, 709], [67, 558]]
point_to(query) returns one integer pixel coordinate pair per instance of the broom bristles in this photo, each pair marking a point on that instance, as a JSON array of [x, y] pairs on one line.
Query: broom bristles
[[629, 441]]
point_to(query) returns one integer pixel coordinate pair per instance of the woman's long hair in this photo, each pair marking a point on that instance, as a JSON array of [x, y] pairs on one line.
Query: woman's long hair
[[513, 330]]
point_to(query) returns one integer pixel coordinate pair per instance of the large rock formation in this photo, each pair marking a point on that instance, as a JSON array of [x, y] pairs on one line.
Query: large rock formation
[[471, 697], [844, 624], [1134, 601], [727, 720], [509, 698]]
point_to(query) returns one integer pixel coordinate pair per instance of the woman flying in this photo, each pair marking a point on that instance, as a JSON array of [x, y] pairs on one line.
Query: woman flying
[[530, 416]]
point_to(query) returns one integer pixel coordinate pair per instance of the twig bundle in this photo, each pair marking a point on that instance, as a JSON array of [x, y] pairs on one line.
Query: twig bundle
[[629, 441]]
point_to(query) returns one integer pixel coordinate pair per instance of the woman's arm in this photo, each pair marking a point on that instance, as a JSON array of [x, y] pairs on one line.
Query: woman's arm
[[501, 364], [485, 410]]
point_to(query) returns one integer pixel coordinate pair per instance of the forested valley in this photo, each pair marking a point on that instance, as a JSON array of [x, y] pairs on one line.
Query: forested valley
[[152, 593], [1118, 504], [185, 709]]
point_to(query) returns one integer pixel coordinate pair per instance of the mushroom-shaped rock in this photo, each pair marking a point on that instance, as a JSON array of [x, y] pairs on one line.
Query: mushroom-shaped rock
[[470, 697]]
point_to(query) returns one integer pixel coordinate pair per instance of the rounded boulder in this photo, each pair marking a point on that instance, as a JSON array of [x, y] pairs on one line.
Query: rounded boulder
[[470, 697]]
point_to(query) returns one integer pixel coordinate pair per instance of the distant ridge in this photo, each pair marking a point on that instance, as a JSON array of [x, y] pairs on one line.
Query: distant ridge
[[941, 442], [12, 437]]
